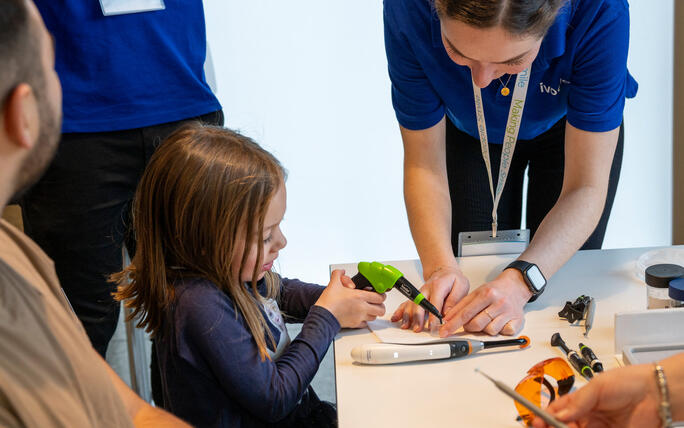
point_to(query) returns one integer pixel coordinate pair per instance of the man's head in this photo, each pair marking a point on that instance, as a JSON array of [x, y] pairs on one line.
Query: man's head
[[30, 97]]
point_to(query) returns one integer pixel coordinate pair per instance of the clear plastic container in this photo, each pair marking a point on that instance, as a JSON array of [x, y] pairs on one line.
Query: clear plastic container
[[658, 298], [658, 279], [654, 257]]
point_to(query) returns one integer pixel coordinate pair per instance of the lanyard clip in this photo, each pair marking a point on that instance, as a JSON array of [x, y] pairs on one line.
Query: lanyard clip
[[494, 229]]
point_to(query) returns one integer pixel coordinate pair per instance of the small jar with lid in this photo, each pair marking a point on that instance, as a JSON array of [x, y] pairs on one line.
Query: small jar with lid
[[658, 279], [676, 292]]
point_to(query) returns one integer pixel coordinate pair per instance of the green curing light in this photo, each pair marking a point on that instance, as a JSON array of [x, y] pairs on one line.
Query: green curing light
[[383, 278]]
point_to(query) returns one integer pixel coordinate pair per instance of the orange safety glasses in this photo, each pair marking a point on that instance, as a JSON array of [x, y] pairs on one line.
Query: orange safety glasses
[[544, 382]]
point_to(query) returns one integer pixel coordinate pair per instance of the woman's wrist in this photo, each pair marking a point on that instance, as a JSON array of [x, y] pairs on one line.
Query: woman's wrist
[[521, 289], [442, 267], [664, 409], [673, 367], [433, 269]]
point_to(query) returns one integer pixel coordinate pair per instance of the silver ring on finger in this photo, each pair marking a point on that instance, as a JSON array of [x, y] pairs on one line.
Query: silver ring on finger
[[491, 318]]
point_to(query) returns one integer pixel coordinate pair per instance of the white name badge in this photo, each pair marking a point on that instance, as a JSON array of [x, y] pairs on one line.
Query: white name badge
[[483, 243], [120, 7]]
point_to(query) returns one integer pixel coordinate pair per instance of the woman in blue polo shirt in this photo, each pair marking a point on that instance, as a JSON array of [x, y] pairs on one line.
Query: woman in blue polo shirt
[[470, 79]]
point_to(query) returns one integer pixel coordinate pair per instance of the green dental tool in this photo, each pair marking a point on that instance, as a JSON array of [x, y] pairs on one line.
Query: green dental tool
[[383, 278]]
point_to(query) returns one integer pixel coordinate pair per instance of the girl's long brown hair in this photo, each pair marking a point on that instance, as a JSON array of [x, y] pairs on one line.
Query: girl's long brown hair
[[205, 189]]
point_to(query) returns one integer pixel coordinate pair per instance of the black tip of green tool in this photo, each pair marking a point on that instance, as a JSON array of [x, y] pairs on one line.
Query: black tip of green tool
[[361, 281]]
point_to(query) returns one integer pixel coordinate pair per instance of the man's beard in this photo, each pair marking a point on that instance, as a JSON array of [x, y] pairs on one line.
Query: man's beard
[[40, 157]]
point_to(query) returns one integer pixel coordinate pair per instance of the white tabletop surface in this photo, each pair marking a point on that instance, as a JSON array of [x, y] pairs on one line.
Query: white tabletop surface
[[448, 392]]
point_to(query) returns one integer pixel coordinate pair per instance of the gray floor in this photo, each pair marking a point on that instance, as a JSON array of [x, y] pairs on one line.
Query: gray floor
[[117, 356]]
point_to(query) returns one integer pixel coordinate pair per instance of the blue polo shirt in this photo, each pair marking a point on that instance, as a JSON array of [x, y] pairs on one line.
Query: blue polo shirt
[[580, 71], [129, 71]]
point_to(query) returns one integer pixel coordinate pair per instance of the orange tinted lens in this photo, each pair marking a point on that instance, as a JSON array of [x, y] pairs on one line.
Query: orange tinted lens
[[544, 382], [557, 368], [534, 389]]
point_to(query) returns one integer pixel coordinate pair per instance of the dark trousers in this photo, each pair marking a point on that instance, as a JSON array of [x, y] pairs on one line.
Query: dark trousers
[[79, 214], [471, 199]]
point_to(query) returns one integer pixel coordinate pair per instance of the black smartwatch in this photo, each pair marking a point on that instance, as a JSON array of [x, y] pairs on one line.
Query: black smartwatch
[[533, 277]]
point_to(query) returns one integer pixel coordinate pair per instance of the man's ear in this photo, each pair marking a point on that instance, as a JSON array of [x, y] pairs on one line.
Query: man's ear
[[21, 117]]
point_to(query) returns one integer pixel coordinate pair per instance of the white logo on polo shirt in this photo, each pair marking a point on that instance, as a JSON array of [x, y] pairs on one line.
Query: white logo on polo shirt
[[549, 90]]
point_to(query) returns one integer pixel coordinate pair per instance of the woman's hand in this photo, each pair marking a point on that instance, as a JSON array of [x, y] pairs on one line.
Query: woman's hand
[[444, 288], [626, 397], [493, 308], [351, 307]]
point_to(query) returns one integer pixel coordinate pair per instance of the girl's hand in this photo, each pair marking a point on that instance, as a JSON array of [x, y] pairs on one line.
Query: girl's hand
[[351, 307], [445, 287]]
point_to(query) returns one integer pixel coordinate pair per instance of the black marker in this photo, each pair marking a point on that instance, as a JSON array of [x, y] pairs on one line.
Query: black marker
[[589, 355], [577, 362]]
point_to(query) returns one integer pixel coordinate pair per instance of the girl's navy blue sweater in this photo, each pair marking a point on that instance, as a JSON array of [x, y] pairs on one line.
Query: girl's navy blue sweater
[[212, 373]]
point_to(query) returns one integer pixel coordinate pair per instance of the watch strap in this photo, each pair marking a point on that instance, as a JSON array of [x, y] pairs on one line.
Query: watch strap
[[523, 266]]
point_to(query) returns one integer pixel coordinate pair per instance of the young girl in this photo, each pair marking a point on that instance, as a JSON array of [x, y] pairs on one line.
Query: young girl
[[207, 218]]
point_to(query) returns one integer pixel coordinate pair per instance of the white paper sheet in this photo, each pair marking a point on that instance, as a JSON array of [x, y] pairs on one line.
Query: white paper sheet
[[389, 332]]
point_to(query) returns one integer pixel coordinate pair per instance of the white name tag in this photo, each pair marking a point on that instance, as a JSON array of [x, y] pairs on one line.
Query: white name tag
[[484, 244], [120, 7]]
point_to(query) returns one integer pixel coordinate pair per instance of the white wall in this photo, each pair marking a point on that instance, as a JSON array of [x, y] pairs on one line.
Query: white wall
[[642, 213], [308, 80]]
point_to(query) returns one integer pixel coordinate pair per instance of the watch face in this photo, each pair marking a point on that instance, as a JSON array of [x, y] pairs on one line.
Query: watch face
[[536, 278]]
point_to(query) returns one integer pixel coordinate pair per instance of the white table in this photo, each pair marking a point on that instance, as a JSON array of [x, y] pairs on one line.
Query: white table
[[448, 392]]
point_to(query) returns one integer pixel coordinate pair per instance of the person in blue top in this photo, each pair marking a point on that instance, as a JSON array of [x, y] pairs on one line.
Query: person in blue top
[[470, 79], [129, 80]]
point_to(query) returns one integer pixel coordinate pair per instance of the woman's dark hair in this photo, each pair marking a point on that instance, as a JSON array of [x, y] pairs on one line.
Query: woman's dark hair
[[519, 17]]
